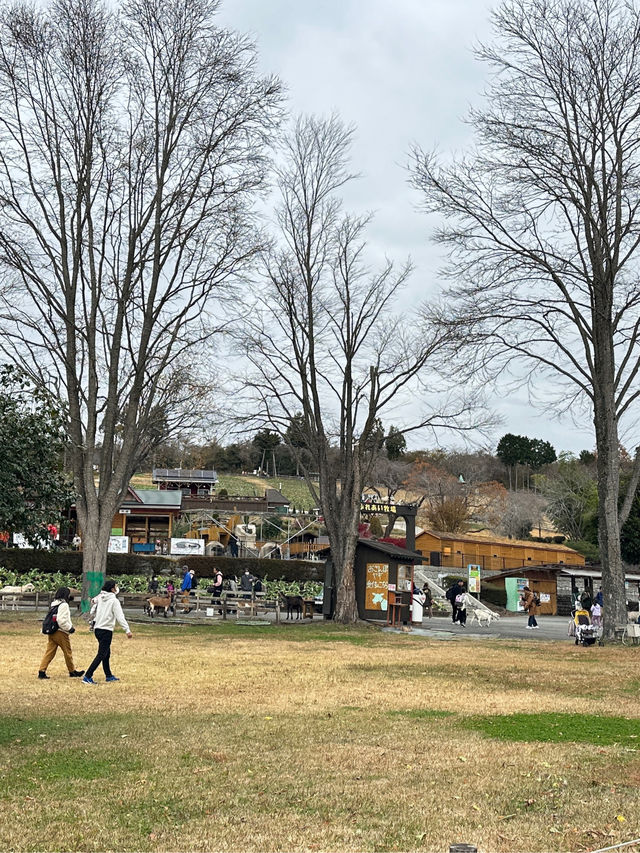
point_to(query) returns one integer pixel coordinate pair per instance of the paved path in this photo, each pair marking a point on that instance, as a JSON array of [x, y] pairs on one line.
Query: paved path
[[510, 627]]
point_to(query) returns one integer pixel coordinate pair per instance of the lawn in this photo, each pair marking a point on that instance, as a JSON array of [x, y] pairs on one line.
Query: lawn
[[317, 738]]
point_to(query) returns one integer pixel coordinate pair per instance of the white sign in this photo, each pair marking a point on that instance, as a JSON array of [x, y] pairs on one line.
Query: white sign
[[118, 545], [182, 547], [545, 598]]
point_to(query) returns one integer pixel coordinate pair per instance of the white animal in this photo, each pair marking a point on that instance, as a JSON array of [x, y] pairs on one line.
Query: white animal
[[13, 593], [479, 612]]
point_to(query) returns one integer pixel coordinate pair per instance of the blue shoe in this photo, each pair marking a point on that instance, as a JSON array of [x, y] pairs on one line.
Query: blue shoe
[[87, 680], [112, 678]]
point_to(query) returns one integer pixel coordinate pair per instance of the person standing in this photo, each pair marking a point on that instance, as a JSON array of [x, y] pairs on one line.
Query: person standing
[[596, 614], [106, 611], [246, 584], [153, 585], [428, 600], [217, 584], [60, 638], [599, 597], [529, 604]]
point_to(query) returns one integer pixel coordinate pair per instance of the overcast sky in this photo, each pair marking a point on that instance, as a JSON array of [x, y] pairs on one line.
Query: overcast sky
[[402, 73]]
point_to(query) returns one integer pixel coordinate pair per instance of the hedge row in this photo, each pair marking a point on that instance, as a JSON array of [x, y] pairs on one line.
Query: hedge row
[[23, 560]]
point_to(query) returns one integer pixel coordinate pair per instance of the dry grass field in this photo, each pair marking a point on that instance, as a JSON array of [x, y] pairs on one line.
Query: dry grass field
[[294, 738]]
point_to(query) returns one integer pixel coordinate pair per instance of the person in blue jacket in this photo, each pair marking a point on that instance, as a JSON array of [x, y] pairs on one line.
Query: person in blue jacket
[[187, 586]]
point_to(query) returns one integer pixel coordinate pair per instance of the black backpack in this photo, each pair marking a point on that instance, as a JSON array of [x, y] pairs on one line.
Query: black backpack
[[50, 621]]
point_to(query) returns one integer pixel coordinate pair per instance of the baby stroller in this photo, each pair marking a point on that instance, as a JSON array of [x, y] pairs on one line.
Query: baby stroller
[[581, 628]]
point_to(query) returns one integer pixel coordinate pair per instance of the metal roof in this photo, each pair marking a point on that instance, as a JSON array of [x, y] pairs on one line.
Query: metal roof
[[167, 498], [184, 475]]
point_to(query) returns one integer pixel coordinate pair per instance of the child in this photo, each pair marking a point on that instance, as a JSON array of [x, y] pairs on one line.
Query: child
[[596, 614]]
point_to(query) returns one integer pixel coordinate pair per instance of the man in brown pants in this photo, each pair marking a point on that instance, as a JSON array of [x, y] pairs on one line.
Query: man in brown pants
[[60, 638]]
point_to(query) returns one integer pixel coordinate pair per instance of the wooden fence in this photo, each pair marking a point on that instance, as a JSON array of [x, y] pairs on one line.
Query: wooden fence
[[237, 606]]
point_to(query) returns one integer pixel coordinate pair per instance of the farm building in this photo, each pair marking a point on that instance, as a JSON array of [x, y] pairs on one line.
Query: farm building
[[189, 481], [147, 515], [556, 586], [458, 550]]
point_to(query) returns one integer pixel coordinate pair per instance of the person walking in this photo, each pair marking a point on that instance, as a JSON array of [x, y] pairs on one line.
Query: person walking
[[529, 604], [596, 614], [106, 611], [452, 593], [187, 586], [60, 638]]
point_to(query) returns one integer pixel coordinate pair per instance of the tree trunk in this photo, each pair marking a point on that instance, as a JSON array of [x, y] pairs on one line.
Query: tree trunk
[[608, 468], [95, 543], [346, 605]]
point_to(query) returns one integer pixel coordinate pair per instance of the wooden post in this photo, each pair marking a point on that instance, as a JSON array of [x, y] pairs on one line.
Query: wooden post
[[37, 595], [224, 608], [277, 611]]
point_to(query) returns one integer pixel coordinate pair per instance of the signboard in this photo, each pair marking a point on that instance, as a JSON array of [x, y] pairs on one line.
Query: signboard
[[21, 541], [183, 547], [513, 588], [545, 598], [377, 585], [118, 545], [474, 578]]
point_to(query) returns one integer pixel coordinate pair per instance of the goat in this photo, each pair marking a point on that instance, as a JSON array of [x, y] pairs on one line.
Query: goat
[[479, 612], [292, 602], [15, 592], [158, 602]]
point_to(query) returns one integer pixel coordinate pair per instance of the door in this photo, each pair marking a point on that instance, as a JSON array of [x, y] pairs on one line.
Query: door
[[546, 592]]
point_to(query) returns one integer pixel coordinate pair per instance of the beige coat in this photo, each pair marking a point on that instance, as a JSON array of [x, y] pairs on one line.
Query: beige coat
[[529, 603]]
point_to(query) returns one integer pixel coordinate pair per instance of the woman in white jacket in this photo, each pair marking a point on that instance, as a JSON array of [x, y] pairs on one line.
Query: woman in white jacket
[[106, 611], [60, 638]]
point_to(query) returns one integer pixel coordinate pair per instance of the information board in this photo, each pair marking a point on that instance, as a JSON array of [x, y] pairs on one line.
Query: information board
[[376, 593]]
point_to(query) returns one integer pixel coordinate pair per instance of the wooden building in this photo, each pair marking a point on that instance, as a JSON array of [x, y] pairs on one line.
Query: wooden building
[[459, 550], [384, 573], [190, 481], [556, 586], [146, 516]]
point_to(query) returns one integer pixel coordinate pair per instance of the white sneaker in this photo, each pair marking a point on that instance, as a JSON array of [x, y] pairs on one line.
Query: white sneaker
[[529, 627]]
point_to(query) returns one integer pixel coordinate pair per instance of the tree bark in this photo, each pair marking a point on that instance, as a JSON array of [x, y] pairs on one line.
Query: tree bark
[[608, 472]]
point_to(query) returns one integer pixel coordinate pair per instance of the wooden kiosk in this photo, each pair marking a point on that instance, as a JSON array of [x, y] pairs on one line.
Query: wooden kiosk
[[384, 581]]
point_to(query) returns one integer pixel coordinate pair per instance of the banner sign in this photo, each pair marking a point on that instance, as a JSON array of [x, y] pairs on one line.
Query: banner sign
[[474, 579]]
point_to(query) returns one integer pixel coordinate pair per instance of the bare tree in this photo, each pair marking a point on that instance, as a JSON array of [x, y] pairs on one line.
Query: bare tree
[[522, 511], [386, 478], [543, 226], [450, 503], [131, 147], [325, 343]]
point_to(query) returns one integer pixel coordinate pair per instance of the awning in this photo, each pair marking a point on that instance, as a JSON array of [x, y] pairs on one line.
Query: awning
[[592, 573]]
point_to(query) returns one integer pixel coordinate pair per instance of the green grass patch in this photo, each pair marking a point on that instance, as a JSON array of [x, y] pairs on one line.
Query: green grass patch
[[558, 728], [25, 732]]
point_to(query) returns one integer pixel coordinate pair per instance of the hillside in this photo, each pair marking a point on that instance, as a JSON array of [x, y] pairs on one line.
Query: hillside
[[293, 488]]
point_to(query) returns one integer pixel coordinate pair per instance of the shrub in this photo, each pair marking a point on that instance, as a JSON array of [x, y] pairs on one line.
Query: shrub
[[22, 561]]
